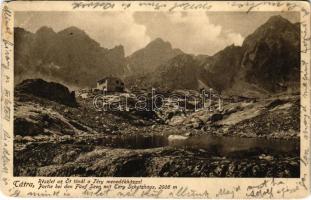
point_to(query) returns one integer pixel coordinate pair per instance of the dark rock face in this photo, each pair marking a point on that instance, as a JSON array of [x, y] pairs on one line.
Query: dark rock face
[[268, 62], [221, 69], [146, 60], [48, 90], [69, 56], [271, 55], [181, 72]]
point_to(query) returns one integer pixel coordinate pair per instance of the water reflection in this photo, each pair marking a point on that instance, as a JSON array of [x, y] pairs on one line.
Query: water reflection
[[216, 145], [225, 145], [134, 141]]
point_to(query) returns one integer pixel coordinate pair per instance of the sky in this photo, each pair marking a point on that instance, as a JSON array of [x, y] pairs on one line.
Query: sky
[[192, 32]]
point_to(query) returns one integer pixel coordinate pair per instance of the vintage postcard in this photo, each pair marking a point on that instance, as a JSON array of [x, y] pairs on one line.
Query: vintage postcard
[[155, 99]]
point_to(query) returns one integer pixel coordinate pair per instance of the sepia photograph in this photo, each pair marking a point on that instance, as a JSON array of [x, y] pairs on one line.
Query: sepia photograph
[[157, 94]]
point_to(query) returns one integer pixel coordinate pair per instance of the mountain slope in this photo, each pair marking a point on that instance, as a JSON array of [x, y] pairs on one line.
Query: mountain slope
[[150, 57], [266, 63], [181, 72], [220, 69], [69, 56], [271, 56]]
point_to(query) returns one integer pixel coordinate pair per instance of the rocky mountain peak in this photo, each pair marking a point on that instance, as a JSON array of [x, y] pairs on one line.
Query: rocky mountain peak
[[155, 53], [45, 30], [79, 58], [269, 59], [72, 30], [275, 27], [119, 49], [271, 55], [277, 19], [159, 43], [21, 31], [183, 58]]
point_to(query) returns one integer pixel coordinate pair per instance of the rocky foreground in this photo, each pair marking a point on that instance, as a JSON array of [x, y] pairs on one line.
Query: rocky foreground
[[54, 139], [54, 159]]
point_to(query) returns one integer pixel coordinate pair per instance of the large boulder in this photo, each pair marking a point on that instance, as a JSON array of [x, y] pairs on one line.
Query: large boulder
[[26, 127], [48, 90]]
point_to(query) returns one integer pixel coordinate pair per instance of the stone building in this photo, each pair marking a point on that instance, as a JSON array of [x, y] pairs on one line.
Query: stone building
[[110, 84]]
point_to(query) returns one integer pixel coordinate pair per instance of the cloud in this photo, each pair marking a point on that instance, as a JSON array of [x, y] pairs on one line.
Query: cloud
[[235, 38], [113, 28], [107, 28], [192, 31]]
